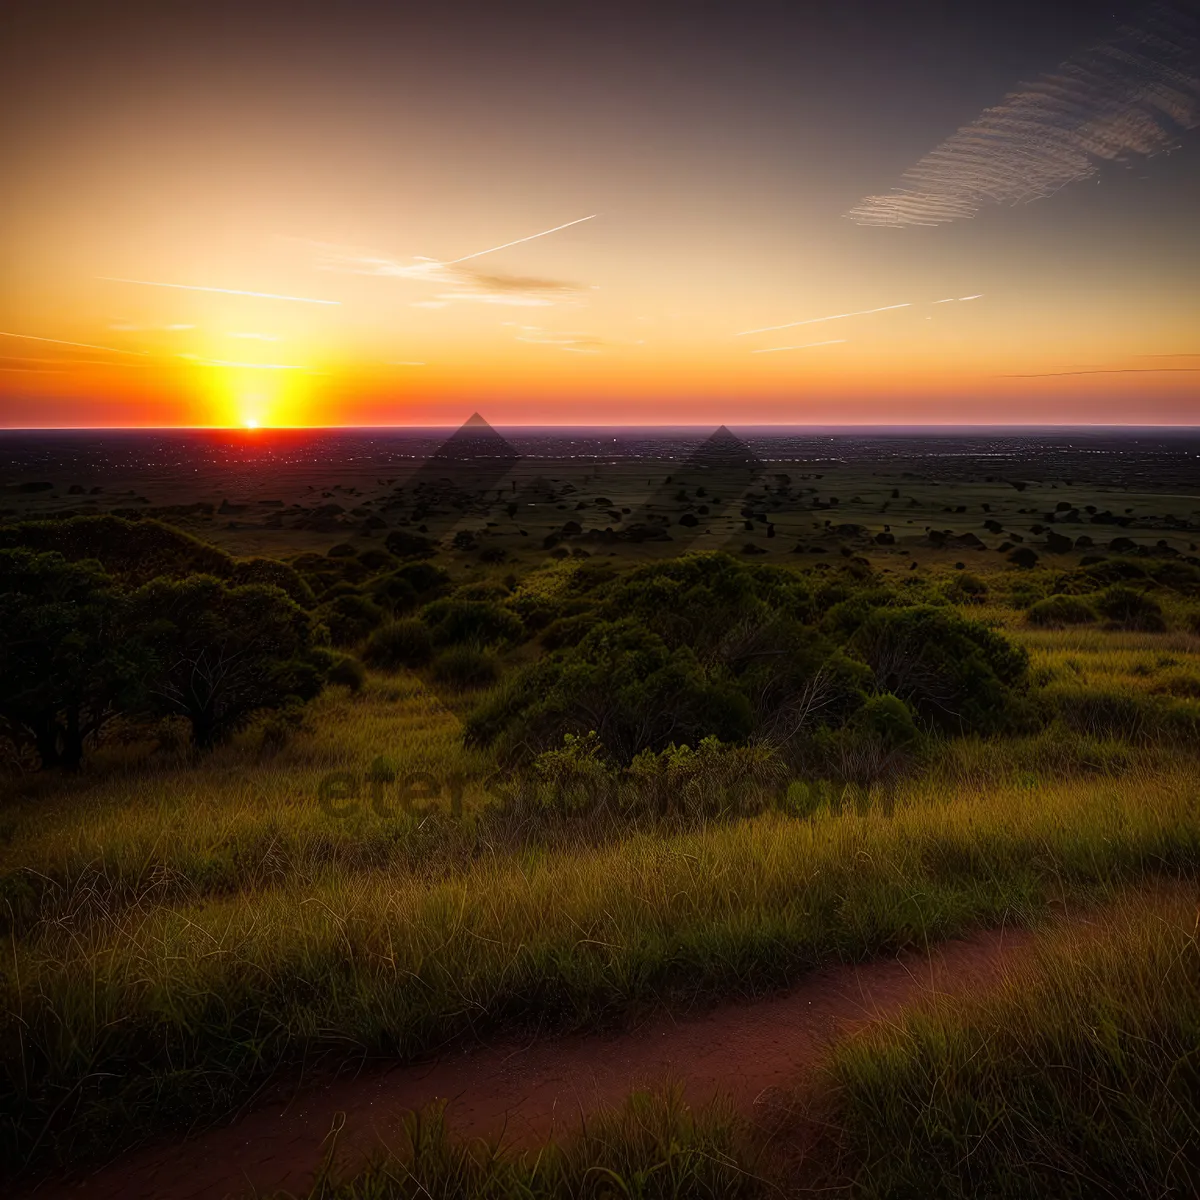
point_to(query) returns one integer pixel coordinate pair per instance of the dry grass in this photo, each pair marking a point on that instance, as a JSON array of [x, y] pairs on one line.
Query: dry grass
[[1078, 1077]]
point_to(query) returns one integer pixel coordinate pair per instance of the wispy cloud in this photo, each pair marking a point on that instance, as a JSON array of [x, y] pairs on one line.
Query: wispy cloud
[[60, 366], [194, 287], [1103, 371], [513, 299], [1129, 97], [245, 366], [129, 327], [31, 337], [577, 342], [804, 346], [468, 284]]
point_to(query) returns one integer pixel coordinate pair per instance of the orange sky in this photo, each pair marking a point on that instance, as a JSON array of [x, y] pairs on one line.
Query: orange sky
[[319, 177]]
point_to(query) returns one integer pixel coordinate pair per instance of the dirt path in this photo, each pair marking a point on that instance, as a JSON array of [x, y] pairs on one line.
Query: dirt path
[[527, 1092]]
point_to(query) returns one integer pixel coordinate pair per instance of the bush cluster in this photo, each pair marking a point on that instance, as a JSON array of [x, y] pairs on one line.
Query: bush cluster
[[707, 646]]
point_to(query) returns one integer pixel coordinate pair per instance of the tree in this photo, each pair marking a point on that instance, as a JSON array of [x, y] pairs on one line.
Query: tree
[[68, 662], [954, 673], [225, 653]]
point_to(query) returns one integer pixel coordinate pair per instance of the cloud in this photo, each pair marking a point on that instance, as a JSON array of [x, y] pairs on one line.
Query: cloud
[[516, 299], [520, 283], [127, 327], [573, 341], [1128, 97], [804, 346], [1103, 371], [195, 287], [243, 366], [468, 284], [59, 365]]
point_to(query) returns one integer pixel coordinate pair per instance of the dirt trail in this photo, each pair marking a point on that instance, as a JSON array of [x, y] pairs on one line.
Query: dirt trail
[[526, 1092]]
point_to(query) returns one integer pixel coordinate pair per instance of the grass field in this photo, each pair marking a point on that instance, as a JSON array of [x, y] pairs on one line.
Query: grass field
[[179, 932], [1075, 1077]]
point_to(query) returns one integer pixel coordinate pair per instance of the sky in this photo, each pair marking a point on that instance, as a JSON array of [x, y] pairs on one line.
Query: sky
[[878, 212]]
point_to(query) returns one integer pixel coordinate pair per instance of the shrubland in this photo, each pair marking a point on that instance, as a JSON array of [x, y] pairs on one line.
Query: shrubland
[[692, 777]]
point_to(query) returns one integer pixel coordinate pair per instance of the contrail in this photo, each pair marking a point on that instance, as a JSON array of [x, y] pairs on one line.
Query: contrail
[[1105, 371], [32, 337], [806, 346], [191, 287], [518, 241], [817, 320]]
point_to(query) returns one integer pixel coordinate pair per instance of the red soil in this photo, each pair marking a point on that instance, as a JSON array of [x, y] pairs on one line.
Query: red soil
[[523, 1093]]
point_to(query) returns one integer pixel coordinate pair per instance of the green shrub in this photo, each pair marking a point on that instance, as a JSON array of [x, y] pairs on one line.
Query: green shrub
[[712, 779], [348, 672], [966, 588], [1059, 610], [398, 644], [622, 681], [887, 718], [133, 551], [426, 579], [465, 667], [1130, 609], [272, 573], [481, 622], [394, 593], [349, 617], [956, 674]]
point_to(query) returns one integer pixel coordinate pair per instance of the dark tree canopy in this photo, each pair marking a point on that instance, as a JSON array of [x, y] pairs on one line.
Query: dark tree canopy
[[68, 662], [224, 653]]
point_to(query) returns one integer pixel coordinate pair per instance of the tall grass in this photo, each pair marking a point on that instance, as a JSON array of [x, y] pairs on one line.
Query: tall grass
[[176, 1011], [177, 932], [1078, 1077], [651, 1148]]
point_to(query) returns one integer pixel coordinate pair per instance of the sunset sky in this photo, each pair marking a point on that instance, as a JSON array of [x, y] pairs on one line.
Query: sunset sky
[[697, 199]]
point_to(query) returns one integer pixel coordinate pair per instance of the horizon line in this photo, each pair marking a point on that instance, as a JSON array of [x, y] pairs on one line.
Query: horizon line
[[260, 431]]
